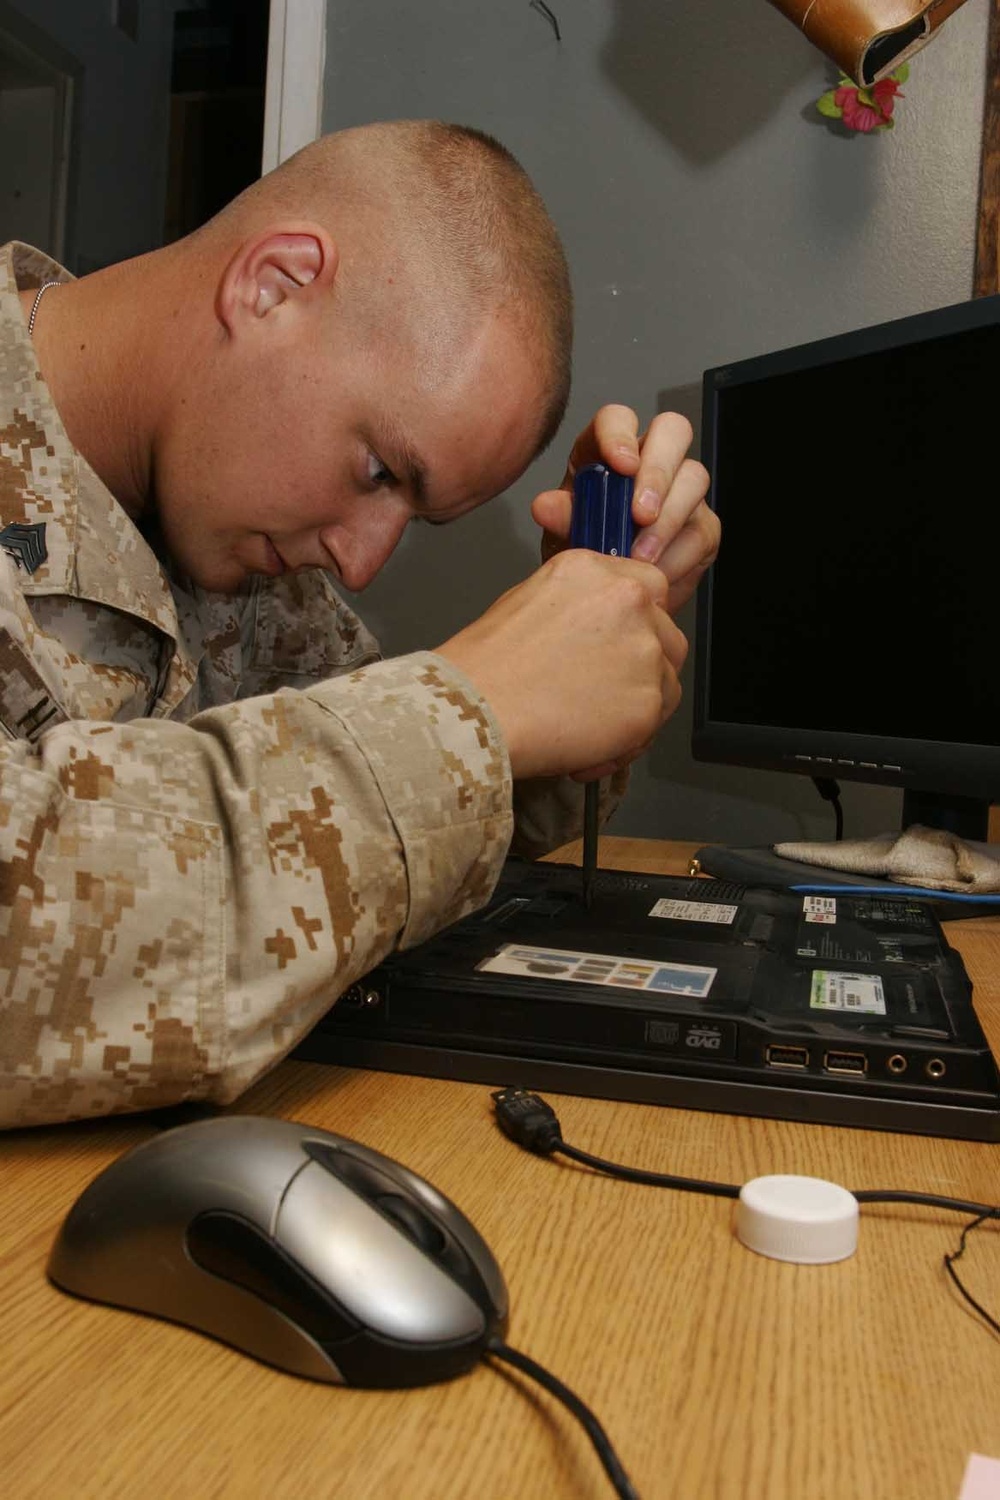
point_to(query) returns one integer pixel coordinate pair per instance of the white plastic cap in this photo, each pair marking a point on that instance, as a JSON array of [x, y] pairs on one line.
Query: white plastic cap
[[802, 1219]]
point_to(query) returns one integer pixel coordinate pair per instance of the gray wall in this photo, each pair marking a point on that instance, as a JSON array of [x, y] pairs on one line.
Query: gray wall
[[709, 214]]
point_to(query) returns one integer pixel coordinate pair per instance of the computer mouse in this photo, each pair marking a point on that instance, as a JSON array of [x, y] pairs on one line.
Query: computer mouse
[[303, 1248]]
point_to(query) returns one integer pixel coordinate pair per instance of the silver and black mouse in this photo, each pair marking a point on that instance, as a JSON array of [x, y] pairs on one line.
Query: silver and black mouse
[[307, 1250]]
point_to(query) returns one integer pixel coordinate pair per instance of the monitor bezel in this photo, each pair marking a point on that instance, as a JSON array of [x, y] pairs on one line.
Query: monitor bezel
[[933, 766]]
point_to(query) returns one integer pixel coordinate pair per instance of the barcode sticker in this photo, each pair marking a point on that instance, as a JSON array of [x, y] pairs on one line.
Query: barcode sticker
[[861, 994], [820, 909], [694, 911]]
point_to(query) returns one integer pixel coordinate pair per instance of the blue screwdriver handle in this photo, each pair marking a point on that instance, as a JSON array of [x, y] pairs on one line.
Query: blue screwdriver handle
[[601, 521], [602, 511]]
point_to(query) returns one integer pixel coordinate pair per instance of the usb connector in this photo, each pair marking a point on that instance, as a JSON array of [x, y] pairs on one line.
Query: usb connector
[[528, 1120]]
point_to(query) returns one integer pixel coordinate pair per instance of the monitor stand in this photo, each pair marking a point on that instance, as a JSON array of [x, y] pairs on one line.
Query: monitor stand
[[966, 817]]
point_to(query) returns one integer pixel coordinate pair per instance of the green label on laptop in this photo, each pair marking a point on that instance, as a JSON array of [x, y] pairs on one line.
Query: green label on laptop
[[861, 994]]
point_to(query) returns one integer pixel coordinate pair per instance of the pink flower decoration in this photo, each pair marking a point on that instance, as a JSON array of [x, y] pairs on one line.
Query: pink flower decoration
[[859, 115], [864, 109]]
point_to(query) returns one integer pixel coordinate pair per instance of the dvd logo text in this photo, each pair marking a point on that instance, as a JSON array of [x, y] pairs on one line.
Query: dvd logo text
[[704, 1036]]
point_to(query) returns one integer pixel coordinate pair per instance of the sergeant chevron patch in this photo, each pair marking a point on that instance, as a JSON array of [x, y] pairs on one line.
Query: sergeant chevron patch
[[25, 544]]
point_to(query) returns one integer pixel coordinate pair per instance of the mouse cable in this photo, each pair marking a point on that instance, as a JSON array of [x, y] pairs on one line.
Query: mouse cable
[[533, 1124], [602, 1443]]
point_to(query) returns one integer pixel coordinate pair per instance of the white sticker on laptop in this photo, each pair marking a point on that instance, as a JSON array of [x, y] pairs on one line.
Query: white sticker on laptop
[[694, 911], [861, 994], [600, 968], [820, 908]]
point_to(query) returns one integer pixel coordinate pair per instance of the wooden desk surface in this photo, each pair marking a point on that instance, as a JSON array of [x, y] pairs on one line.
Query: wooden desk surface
[[716, 1372]]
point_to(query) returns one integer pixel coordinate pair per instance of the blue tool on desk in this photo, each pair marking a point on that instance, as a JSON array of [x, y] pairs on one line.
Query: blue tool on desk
[[601, 521]]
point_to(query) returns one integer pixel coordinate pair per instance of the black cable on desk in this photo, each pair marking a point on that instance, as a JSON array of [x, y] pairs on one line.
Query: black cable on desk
[[527, 1119], [602, 1443], [926, 1200], [949, 1265], [532, 1123], [653, 1179]]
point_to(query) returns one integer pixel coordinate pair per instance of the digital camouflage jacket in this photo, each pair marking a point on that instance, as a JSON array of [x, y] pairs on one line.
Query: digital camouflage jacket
[[216, 812]]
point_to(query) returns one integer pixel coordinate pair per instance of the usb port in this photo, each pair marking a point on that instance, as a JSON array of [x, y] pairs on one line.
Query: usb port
[[786, 1057], [846, 1062]]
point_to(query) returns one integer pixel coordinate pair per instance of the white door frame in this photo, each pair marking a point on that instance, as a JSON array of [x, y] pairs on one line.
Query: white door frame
[[293, 101]]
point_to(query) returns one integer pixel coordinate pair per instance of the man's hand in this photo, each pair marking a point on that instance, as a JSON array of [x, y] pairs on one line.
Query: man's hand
[[679, 533], [579, 664]]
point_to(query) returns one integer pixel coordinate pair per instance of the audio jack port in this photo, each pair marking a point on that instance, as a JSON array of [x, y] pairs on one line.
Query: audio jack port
[[359, 998], [896, 1063], [935, 1068]]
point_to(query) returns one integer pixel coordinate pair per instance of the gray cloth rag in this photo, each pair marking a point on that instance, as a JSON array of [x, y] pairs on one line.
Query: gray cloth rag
[[918, 856]]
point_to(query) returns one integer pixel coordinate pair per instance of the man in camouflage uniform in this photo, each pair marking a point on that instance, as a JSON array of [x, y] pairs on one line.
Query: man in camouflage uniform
[[218, 806]]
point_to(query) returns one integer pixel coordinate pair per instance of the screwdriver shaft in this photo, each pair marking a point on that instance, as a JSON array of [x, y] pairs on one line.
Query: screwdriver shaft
[[591, 824], [601, 521]]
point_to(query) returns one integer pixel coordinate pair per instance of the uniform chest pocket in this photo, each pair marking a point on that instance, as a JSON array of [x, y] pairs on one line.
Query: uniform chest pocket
[[304, 632]]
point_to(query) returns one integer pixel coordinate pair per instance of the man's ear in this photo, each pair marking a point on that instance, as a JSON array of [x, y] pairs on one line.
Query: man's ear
[[272, 266]]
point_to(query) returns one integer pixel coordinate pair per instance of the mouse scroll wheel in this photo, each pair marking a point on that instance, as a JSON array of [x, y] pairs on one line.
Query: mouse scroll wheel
[[409, 1218]]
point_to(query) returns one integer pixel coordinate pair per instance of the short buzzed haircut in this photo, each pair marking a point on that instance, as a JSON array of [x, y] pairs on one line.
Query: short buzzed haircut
[[456, 197]]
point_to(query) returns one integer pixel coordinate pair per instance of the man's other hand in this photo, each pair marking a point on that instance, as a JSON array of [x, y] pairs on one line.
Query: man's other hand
[[676, 529]]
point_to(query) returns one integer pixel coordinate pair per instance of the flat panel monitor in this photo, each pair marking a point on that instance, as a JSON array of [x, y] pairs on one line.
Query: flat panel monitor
[[851, 625]]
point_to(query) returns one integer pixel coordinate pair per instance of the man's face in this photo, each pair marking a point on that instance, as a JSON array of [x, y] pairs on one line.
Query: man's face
[[299, 447]]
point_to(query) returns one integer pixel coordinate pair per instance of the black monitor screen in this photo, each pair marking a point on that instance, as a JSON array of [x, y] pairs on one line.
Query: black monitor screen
[[853, 617]]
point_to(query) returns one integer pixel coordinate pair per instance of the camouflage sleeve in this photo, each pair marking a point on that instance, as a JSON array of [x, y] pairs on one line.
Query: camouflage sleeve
[[179, 903], [548, 813]]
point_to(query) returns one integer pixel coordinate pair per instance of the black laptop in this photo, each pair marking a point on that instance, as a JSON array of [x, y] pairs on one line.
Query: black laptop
[[838, 1009]]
